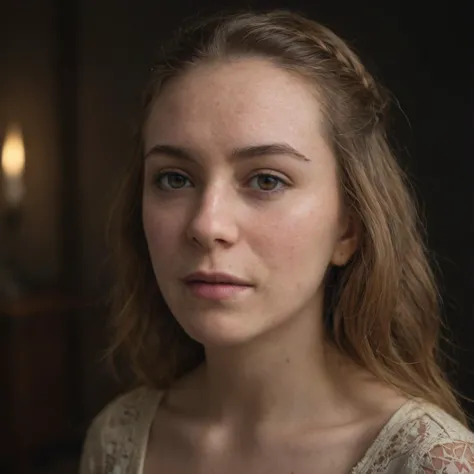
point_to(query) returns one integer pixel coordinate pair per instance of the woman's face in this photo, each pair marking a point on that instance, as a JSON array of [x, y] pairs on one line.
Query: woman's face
[[240, 181]]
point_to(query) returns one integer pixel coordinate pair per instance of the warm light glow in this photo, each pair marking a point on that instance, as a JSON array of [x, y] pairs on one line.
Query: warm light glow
[[13, 153]]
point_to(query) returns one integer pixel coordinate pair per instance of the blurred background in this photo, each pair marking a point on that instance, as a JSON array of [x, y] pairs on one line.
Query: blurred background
[[71, 75]]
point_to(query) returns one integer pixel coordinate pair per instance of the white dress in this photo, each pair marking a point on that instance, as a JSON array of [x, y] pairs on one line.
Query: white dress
[[419, 438]]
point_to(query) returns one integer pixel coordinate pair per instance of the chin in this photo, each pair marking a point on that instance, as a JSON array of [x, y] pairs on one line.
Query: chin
[[217, 328]]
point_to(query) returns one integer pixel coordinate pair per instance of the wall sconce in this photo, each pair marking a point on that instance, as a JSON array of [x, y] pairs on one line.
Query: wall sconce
[[13, 168], [13, 187]]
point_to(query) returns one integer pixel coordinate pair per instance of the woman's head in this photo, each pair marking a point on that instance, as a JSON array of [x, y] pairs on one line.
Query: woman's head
[[263, 154], [239, 180]]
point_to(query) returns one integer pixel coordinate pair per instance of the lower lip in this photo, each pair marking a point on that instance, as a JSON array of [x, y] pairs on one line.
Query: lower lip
[[216, 291]]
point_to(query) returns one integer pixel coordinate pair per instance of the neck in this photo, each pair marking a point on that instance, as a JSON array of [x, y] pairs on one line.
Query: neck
[[288, 375]]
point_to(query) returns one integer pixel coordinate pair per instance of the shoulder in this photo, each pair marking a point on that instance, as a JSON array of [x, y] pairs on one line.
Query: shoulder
[[432, 442], [443, 445], [119, 432]]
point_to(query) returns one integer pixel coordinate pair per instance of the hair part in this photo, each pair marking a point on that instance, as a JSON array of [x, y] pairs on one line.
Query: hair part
[[382, 308]]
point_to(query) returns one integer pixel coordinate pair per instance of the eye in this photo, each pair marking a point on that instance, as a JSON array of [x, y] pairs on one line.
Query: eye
[[172, 181], [268, 182]]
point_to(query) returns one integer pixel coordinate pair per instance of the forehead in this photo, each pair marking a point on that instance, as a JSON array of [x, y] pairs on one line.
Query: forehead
[[241, 100]]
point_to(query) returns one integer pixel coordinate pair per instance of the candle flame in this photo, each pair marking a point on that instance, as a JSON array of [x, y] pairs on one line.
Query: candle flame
[[13, 153]]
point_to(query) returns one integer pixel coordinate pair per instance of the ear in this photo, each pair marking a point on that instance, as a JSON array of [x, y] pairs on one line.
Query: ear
[[348, 241]]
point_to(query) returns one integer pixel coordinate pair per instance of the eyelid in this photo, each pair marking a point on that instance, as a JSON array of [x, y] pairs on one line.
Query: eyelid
[[273, 174], [283, 183], [159, 175]]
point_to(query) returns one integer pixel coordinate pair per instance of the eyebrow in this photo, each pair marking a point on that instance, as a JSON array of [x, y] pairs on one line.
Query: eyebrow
[[245, 152]]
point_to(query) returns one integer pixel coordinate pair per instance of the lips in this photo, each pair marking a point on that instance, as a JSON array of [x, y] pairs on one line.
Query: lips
[[216, 286], [216, 278]]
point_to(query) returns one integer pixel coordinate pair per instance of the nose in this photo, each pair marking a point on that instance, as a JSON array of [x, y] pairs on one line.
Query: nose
[[213, 222]]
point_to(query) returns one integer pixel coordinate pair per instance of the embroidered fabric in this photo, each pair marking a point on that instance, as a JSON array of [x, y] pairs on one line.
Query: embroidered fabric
[[419, 439]]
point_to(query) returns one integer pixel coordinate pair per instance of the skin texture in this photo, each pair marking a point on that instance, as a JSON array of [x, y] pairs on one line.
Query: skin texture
[[208, 205], [221, 220]]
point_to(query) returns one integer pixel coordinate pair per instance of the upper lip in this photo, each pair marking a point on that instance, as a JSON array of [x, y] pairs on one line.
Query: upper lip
[[216, 277]]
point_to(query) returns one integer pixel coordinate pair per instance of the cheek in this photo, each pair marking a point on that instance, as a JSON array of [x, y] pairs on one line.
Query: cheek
[[162, 231], [302, 237]]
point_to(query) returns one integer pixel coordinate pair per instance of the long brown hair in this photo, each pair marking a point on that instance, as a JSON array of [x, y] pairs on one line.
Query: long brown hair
[[382, 309]]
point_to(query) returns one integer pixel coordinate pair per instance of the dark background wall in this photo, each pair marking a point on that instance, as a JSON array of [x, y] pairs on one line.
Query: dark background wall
[[72, 72], [27, 95]]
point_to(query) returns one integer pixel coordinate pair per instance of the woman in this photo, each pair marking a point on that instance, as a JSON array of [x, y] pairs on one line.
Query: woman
[[275, 300]]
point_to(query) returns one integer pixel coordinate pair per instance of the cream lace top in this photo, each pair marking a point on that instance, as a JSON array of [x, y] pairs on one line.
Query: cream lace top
[[418, 439]]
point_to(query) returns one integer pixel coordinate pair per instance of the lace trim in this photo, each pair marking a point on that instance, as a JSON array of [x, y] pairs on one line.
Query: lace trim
[[393, 441], [420, 439], [449, 458], [119, 436]]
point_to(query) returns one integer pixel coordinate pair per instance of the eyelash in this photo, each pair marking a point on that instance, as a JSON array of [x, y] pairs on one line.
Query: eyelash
[[282, 184]]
